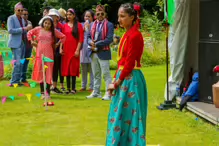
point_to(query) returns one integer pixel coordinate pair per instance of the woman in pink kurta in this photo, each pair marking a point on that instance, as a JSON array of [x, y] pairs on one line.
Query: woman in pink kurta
[[45, 36], [71, 58]]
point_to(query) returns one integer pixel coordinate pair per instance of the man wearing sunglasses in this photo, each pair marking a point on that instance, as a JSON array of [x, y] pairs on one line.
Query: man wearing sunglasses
[[17, 31], [99, 39]]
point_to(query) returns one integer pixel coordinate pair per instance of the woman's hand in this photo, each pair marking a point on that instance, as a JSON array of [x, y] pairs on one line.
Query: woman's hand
[[114, 85], [77, 53], [56, 46], [117, 83], [110, 89], [86, 25], [33, 43], [114, 80], [61, 51]]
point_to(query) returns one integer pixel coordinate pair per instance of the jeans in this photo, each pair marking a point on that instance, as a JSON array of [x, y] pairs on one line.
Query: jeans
[[18, 54], [99, 68], [28, 53]]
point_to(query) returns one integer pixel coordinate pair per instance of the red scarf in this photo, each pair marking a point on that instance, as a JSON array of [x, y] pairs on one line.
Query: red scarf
[[104, 31]]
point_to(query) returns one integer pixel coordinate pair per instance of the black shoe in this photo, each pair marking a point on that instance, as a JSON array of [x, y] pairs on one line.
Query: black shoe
[[68, 92], [56, 91]]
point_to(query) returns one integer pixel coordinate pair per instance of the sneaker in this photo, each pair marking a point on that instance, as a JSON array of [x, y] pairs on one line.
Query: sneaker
[[56, 91], [24, 81], [106, 97], [44, 96], [68, 91], [94, 95], [63, 89], [90, 90], [20, 84], [73, 92]]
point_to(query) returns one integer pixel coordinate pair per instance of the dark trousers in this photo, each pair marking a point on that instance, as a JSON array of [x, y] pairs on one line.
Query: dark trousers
[[69, 82], [57, 69], [42, 88]]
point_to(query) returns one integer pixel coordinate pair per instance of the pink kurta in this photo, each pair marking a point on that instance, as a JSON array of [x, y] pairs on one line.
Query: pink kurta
[[70, 63], [45, 47]]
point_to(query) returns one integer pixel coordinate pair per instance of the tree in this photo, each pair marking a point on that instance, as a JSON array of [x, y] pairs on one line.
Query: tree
[[34, 8]]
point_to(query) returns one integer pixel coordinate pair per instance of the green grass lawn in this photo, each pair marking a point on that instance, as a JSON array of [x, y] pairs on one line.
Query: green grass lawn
[[75, 120]]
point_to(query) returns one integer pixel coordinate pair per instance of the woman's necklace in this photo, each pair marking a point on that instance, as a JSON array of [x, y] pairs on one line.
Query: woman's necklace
[[70, 25]]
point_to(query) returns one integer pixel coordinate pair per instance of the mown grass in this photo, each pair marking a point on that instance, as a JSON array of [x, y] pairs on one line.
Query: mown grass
[[74, 120]]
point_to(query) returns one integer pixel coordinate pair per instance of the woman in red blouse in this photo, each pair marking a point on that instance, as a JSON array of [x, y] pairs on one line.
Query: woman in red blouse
[[128, 109], [71, 58]]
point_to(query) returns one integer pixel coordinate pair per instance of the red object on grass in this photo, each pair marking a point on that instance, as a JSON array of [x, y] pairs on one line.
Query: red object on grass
[[27, 84], [48, 104]]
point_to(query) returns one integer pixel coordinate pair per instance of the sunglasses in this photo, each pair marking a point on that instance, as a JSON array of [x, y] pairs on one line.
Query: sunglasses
[[19, 10], [25, 14], [98, 14]]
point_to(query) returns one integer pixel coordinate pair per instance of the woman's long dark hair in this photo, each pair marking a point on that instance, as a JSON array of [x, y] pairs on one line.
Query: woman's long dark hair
[[75, 32], [52, 29]]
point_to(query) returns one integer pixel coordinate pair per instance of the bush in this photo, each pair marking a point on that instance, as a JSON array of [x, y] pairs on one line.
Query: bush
[[7, 72], [149, 58], [152, 25], [113, 65], [119, 31]]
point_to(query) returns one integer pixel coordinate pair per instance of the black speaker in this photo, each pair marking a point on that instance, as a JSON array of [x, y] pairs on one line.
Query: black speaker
[[209, 20], [208, 54]]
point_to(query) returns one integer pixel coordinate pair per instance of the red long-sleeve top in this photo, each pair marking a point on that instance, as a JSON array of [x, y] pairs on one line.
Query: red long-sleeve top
[[130, 52]]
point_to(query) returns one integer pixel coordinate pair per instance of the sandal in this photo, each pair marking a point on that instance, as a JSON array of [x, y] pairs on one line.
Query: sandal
[[42, 96]]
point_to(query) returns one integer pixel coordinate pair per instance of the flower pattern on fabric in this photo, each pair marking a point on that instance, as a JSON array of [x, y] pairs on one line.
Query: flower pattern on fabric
[[131, 94], [129, 77], [128, 112], [117, 129], [135, 130], [128, 122], [124, 88], [112, 120]]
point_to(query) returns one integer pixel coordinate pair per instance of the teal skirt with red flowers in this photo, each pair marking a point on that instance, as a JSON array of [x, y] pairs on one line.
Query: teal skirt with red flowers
[[128, 112]]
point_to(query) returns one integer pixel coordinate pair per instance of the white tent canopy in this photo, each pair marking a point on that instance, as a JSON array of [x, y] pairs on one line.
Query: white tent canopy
[[183, 43]]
